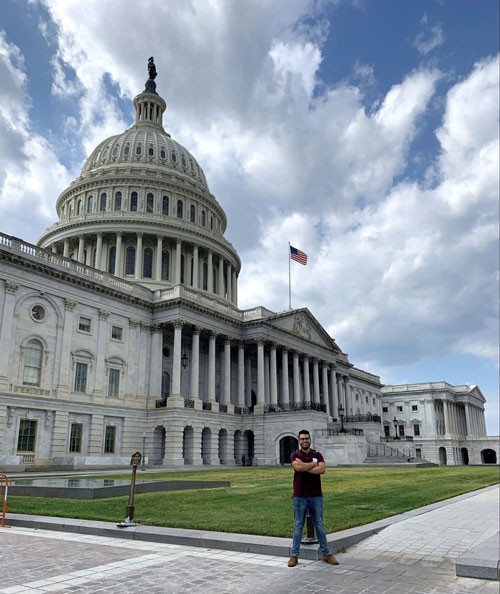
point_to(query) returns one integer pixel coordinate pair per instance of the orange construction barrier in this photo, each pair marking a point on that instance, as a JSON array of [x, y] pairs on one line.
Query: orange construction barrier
[[4, 488]]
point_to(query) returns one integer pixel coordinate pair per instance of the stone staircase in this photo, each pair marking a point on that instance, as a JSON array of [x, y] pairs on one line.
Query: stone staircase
[[380, 453]]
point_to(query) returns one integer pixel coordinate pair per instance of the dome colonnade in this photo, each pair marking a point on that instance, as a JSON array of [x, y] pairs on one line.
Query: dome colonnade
[[142, 210]]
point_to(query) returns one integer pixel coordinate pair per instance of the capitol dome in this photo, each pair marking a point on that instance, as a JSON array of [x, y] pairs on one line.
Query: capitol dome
[[141, 210]]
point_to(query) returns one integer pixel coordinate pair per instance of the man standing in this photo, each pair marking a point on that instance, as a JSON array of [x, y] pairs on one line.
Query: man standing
[[308, 465]]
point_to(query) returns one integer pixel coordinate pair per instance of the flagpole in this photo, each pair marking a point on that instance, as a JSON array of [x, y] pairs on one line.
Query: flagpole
[[289, 279]]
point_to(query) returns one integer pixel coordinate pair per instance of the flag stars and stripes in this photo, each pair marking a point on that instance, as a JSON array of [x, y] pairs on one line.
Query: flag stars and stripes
[[298, 255]]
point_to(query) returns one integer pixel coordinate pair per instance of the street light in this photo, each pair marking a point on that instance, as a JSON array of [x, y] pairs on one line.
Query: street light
[[395, 421], [184, 361], [143, 465], [341, 415]]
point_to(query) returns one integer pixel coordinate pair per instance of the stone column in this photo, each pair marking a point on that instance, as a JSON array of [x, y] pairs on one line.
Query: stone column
[[176, 359], [210, 275], [334, 409], [326, 390], [98, 252], [260, 373], [196, 267], [6, 328], [307, 380], [155, 362], [159, 251], [178, 253], [274, 378], [285, 394], [241, 375], [66, 247], [221, 277], [296, 378], [100, 370], [446, 418], [118, 255], [138, 256], [66, 369], [81, 248], [316, 398], [248, 381], [195, 365], [226, 398], [228, 281], [211, 367], [234, 297]]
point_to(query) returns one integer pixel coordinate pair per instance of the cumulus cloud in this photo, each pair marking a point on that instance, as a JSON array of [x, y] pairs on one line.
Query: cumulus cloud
[[29, 169]]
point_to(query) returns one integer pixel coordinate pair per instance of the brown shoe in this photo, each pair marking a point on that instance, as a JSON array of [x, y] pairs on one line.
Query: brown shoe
[[330, 559], [293, 561]]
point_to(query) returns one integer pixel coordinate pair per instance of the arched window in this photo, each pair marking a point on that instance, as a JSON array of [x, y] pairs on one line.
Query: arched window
[[211, 223], [147, 268], [79, 207], [162, 153], [32, 371], [203, 218], [90, 204], [111, 259], [102, 206], [130, 261], [151, 151], [192, 213], [180, 209], [173, 156], [133, 202], [118, 201], [150, 202], [138, 150], [165, 257], [164, 205]]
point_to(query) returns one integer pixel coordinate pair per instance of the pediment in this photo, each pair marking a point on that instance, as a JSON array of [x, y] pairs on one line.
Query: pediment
[[302, 324]]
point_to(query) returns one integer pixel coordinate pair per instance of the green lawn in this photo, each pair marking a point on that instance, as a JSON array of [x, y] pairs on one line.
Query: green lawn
[[259, 499]]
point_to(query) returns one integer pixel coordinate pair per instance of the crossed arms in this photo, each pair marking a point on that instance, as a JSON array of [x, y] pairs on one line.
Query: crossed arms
[[312, 467]]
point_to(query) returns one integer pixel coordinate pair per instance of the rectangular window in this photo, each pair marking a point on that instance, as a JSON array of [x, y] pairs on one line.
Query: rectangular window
[[84, 324], [387, 431], [81, 377], [414, 407], [27, 436], [401, 430], [116, 333], [385, 409], [75, 438], [416, 430], [399, 408], [109, 439], [114, 383]]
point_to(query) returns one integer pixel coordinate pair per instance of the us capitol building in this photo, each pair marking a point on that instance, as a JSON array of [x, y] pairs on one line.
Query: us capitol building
[[120, 331]]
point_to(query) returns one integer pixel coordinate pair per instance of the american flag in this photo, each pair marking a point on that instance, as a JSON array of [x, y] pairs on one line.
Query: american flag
[[298, 256]]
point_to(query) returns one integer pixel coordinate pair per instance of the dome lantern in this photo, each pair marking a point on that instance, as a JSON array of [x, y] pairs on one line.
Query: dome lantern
[[149, 106]]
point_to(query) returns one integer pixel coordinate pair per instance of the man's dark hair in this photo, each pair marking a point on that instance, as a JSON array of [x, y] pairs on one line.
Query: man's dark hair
[[304, 431]]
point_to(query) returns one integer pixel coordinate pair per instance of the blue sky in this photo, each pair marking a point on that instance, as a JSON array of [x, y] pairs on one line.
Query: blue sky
[[363, 132]]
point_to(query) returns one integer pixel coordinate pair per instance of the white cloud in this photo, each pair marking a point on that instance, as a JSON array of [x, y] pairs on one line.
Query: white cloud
[[429, 38]]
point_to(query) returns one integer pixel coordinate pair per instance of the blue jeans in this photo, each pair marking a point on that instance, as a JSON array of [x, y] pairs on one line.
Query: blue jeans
[[315, 507]]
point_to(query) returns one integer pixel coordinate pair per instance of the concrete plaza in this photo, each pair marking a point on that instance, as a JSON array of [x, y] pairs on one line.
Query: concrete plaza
[[416, 553]]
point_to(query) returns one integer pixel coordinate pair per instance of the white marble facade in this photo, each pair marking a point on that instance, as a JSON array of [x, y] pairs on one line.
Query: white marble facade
[[120, 331]]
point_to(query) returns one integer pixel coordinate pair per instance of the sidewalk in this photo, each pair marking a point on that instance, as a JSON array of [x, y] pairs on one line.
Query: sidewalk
[[414, 552]]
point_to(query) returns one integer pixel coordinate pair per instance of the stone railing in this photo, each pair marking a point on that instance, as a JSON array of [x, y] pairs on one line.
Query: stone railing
[[293, 407], [368, 418]]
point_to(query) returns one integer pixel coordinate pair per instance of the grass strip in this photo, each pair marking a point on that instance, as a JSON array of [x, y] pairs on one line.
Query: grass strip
[[259, 499]]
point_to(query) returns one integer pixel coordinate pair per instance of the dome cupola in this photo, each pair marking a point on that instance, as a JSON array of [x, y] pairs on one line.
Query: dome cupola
[[141, 209]]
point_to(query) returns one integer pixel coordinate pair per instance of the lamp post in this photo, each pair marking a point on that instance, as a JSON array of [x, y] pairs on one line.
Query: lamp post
[[184, 361], [129, 511], [395, 422], [143, 461], [341, 415]]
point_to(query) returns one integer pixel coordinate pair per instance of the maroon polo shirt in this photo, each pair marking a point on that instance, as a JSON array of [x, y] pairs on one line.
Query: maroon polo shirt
[[306, 484]]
